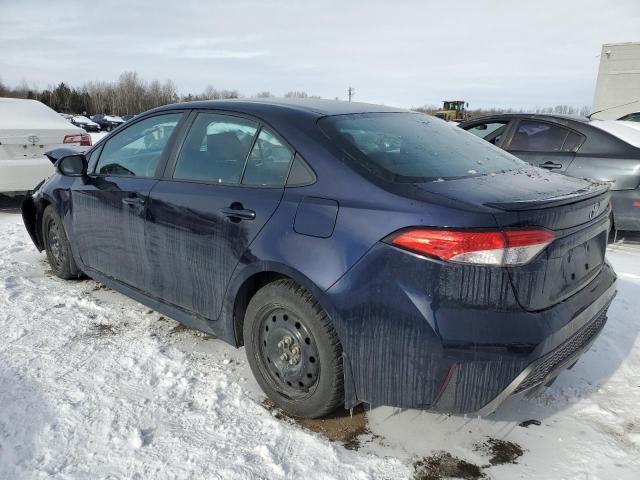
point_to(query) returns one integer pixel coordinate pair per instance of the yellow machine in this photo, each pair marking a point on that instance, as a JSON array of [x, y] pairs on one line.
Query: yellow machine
[[453, 111]]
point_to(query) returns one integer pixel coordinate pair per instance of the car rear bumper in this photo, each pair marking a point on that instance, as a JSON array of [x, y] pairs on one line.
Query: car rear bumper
[[626, 209], [23, 174], [561, 351], [423, 334]]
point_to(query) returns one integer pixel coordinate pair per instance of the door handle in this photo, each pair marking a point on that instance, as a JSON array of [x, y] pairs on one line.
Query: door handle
[[133, 201], [241, 213], [550, 165]]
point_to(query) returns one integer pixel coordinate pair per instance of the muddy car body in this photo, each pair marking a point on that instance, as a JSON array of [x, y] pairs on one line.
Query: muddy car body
[[361, 253]]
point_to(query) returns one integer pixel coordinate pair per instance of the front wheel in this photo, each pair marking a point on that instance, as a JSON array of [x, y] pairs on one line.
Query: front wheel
[[293, 350], [57, 245], [613, 233]]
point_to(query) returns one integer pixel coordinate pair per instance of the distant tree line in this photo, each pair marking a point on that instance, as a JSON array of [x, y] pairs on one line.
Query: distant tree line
[[130, 94], [481, 112]]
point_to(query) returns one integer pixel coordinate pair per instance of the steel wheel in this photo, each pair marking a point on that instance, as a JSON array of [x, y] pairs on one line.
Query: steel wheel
[[293, 350], [288, 353], [54, 244], [57, 246]]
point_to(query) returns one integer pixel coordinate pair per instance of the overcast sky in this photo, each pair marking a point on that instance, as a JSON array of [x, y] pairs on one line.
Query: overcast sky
[[403, 53]]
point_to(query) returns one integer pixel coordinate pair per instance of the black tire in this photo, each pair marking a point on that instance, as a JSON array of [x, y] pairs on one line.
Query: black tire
[[612, 229], [308, 382], [57, 245]]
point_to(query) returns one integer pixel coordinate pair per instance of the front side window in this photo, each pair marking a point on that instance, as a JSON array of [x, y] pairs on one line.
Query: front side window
[[92, 158], [491, 132], [215, 149], [269, 161], [137, 150], [535, 136], [408, 147]]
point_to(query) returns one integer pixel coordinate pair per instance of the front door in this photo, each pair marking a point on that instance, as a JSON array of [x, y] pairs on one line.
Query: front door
[[223, 186], [544, 145], [109, 208]]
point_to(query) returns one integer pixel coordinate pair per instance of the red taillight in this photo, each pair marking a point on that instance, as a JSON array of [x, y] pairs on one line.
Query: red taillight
[[636, 204], [508, 247], [81, 139]]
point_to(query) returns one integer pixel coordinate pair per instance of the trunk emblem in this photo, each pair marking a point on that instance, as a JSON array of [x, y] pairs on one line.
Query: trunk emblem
[[594, 210], [33, 139]]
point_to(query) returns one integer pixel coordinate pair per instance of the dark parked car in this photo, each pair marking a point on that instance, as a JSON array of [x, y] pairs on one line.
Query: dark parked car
[[84, 123], [107, 122], [631, 117], [576, 146], [358, 252]]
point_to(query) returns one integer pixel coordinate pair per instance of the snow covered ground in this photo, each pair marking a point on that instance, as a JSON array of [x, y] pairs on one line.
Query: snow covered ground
[[94, 385]]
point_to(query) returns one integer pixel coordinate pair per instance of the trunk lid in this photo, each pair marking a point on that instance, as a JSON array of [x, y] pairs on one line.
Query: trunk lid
[[33, 143], [29, 128], [576, 211]]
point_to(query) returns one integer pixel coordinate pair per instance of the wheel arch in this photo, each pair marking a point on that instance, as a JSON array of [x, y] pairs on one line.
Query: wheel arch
[[245, 285]]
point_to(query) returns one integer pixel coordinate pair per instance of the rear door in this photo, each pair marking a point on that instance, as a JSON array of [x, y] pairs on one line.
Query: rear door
[[544, 144], [109, 209], [223, 185]]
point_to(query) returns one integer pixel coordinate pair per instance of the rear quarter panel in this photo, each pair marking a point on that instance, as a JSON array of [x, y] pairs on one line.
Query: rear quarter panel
[[622, 173]]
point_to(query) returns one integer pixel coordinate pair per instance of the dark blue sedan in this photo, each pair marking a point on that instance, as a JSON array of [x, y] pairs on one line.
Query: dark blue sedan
[[360, 253]]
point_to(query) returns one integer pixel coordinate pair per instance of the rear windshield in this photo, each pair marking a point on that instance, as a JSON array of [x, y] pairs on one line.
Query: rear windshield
[[408, 147]]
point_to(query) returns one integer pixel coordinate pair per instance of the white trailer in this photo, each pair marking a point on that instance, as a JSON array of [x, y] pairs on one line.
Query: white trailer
[[618, 85]]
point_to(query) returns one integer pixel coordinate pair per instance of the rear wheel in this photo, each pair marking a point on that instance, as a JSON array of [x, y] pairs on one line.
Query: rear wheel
[[57, 245], [293, 350]]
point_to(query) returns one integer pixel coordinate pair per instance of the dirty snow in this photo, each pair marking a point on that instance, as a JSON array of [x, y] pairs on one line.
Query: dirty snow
[[94, 385]]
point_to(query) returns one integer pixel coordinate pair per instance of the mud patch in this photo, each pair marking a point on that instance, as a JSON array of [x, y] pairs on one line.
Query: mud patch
[[443, 465], [179, 328], [101, 330], [340, 426], [501, 451]]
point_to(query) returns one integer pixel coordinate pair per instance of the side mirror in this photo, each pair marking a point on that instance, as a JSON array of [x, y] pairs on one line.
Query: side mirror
[[73, 165]]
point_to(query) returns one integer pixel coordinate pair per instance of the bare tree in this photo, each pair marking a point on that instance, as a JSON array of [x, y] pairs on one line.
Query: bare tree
[[296, 94]]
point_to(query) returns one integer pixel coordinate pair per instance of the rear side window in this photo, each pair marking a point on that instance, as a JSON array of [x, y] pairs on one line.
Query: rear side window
[[269, 161], [535, 136], [300, 173], [215, 149], [137, 150], [408, 147]]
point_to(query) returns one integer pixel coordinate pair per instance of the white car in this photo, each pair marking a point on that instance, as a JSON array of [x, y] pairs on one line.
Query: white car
[[28, 129]]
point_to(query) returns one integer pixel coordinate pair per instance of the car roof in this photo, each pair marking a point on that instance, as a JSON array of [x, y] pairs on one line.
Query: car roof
[[540, 116], [310, 106]]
